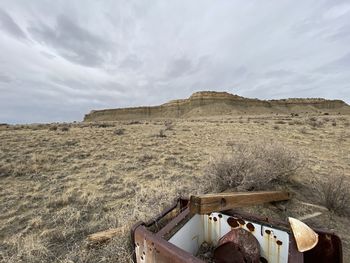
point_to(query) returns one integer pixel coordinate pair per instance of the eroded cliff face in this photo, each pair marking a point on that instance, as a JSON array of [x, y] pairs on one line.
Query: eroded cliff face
[[209, 103]]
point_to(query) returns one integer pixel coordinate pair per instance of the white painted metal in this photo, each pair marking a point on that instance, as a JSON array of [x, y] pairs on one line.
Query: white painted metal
[[199, 229], [190, 236]]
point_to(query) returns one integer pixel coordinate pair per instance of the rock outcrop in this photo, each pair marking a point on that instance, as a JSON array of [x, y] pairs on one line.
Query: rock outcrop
[[209, 103]]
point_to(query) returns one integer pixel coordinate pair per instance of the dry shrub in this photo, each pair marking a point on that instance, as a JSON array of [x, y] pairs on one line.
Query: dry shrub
[[145, 157], [104, 125], [133, 122], [312, 119], [53, 128], [65, 128], [119, 131], [303, 130], [335, 195], [297, 122], [4, 171], [161, 134], [169, 126], [315, 123], [254, 166], [280, 122]]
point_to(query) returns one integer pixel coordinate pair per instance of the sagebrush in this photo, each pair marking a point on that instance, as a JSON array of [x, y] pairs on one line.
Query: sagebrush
[[254, 166], [335, 195]]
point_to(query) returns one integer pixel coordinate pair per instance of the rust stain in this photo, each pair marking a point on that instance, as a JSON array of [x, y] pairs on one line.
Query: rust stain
[[279, 242], [232, 222], [219, 236], [209, 231], [241, 222], [250, 227], [278, 252]]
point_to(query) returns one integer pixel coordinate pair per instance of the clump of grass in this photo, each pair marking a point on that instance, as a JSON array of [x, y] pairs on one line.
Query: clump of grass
[[169, 125], [146, 157], [303, 130], [296, 122], [4, 171], [315, 123], [335, 195], [161, 134], [254, 166], [104, 125], [53, 128], [133, 122], [119, 131], [65, 128], [312, 119], [280, 122]]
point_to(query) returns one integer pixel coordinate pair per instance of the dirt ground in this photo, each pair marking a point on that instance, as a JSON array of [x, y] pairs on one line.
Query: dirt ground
[[61, 182]]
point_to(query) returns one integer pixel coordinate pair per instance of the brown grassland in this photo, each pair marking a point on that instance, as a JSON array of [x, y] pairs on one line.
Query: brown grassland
[[61, 182]]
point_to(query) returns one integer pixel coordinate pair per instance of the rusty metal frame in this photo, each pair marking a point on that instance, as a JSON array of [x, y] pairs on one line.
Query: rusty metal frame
[[153, 246]]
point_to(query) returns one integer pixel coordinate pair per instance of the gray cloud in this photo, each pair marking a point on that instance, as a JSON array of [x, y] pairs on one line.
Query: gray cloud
[[179, 67], [72, 41], [5, 78], [131, 62], [86, 55], [337, 66], [8, 25]]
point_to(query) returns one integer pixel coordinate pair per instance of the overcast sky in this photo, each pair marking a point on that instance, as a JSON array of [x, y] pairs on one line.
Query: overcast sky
[[61, 59]]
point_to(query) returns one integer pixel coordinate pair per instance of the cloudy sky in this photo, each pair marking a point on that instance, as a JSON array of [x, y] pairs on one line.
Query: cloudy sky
[[61, 59]]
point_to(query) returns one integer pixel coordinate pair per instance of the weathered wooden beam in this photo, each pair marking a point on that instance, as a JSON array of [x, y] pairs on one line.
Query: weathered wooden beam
[[309, 216], [103, 236], [203, 204]]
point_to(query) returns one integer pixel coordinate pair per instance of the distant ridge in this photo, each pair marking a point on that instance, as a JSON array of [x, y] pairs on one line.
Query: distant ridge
[[211, 103]]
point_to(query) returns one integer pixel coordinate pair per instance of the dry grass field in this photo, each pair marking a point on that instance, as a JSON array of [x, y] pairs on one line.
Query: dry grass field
[[61, 182]]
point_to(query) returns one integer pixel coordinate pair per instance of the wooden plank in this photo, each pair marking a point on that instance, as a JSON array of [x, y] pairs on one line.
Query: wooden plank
[[308, 216], [204, 204], [315, 206], [104, 236]]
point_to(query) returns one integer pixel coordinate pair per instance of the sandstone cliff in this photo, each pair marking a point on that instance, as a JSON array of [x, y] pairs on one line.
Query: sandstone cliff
[[209, 103]]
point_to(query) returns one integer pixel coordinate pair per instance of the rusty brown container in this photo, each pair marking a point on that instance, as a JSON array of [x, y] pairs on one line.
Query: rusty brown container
[[176, 236]]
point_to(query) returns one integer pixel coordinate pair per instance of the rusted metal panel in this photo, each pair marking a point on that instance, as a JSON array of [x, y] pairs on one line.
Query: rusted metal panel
[[328, 249], [172, 224], [150, 248], [155, 244]]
